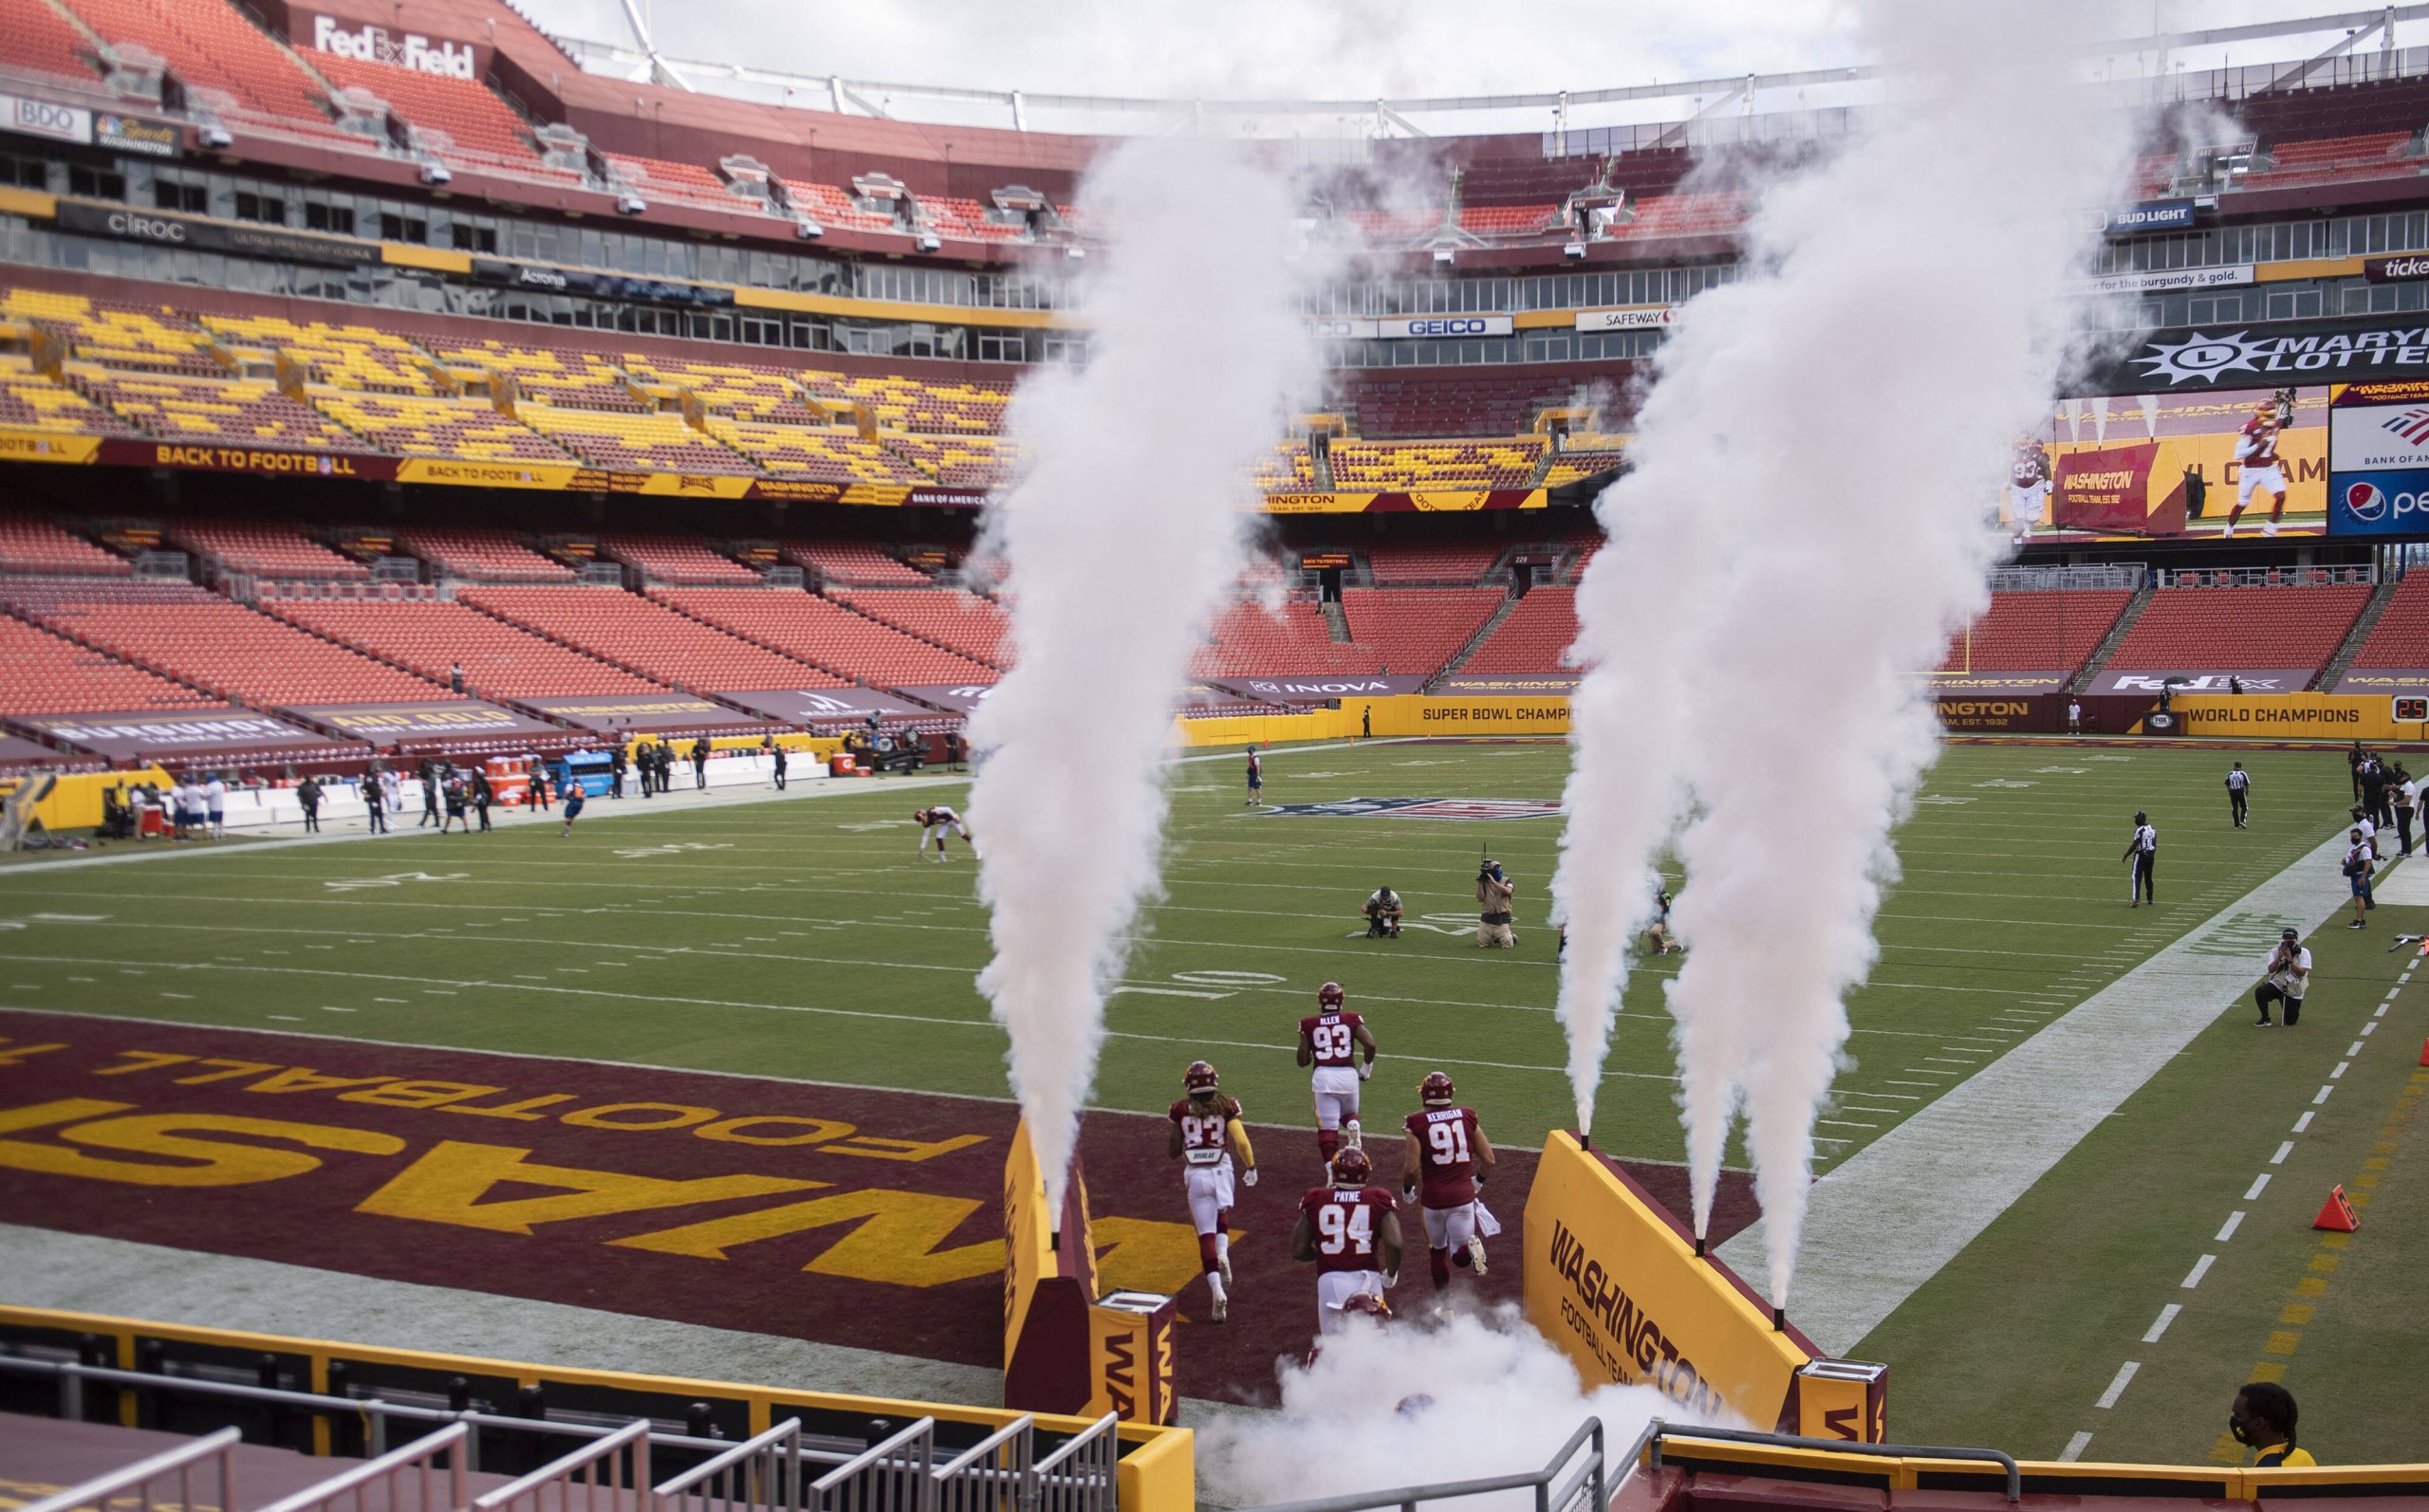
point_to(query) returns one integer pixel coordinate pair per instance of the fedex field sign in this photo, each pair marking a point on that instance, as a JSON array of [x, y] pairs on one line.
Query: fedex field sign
[[370, 44]]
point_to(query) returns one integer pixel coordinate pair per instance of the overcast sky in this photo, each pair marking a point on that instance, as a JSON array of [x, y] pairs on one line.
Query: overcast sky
[[1322, 48]]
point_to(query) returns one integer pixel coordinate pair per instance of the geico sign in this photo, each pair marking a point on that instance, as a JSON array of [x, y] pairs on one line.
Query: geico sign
[[146, 228], [452, 60], [1435, 326]]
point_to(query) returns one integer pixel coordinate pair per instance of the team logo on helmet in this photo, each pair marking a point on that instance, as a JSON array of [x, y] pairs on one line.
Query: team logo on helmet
[[1436, 1090], [1201, 1077], [1373, 1306], [1330, 995], [1352, 1169]]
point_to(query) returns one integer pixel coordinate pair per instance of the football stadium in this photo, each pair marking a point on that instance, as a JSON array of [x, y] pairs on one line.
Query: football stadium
[[727, 787]]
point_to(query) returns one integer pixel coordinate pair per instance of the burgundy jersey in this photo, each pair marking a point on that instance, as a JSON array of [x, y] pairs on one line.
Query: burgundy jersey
[[1348, 1225], [1205, 1127], [2260, 438], [1334, 1035], [2029, 467], [1446, 1155]]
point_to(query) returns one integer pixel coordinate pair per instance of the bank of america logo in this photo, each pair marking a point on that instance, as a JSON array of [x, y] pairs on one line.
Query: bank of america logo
[[2412, 424]]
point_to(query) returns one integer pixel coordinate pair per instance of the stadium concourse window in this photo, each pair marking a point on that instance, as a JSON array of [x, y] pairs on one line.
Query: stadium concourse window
[[261, 210], [338, 220], [95, 183], [193, 200], [24, 173], [396, 227]]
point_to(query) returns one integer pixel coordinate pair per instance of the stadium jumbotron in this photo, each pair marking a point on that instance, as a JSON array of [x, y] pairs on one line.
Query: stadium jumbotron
[[721, 781]]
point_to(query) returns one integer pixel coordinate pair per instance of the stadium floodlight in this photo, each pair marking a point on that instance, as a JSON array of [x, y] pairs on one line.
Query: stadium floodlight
[[1442, 257], [436, 175], [1574, 252], [215, 138], [928, 242], [808, 230], [629, 203], [1075, 253]]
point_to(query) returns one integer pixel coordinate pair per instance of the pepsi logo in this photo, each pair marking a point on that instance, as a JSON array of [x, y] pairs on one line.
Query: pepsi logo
[[2365, 502]]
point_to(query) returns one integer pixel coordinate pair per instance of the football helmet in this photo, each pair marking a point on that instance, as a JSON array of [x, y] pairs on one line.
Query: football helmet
[[1330, 997], [1372, 1304], [1351, 1168], [1436, 1090], [1200, 1078]]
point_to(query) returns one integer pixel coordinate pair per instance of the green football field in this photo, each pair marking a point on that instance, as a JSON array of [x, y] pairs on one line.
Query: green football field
[[803, 939]]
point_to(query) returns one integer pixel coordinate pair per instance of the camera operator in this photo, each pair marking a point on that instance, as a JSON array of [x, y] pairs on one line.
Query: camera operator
[[2288, 975], [1383, 914], [1494, 892]]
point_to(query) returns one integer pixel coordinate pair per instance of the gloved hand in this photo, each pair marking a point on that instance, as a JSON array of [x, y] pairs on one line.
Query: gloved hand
[[1247, 1177], [1366, 1070], [1391, 1279]]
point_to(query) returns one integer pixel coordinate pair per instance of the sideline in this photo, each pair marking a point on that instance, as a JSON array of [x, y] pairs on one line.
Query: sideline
[[1884, 1221], [681, 799]]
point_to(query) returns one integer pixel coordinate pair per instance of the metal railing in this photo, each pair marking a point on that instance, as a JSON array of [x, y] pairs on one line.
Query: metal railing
[[213, 1453], [761, 1473], [2125, 575], [991, 1474], [899, 1474], [1566, 1483], [587, 1480], [406, 1479], [1659, 1435], [2264, 577]]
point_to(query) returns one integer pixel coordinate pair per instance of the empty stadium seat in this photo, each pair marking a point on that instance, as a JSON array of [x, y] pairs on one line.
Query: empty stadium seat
[[483, 555], [913, 404], [2400, 641], [31, 401], [661, 558], [43, 673], [208, 43], [2278, 626], [211, 642], [1432, 562], [1247, 639], [470, 117], [1419, 465], [851, 562], [1389, 402], [948, 616], [28, 544], [647, 637], [2038, 631], [832, 455], [2322, 160], [662, 442], [955, 461], [1540, 627], [126, 337], [262, 551], [346, 357], [414, 425], [817, 630], [1417, 630], [500, 661], [738, 390], [583, 380], [245, 411], [36, 38]]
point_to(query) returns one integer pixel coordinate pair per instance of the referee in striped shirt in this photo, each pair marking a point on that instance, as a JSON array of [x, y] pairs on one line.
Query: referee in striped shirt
[[2142, 852]]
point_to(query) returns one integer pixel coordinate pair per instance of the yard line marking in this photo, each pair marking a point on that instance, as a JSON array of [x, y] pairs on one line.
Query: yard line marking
[[2302, 1123], [2167, 1316], [2355, 1048], [286, 1017], [2283, 1150], [2391, 992], [2381, 1013], [387, 1000], [2200, 1269], [326, 1008], [1844, 1124], [2323, 1096], [1934, 1085], [2370, 1026], [2338, 1075], [2117, 1388], [2074, 1450], [2258, 1184], [183, 997], [2227, 1230]]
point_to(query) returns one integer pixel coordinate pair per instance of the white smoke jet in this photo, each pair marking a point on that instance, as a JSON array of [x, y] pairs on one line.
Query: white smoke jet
[[1501, 1401], [1835, 418], [1122, 537]]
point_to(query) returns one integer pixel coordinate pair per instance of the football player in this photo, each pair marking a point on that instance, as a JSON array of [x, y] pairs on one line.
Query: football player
[[2028, 492], [935, 823], [2256, 452], [1206, 1128], [1351, 1228], [1444, 1161], [1329, 1040], [1657, 932]]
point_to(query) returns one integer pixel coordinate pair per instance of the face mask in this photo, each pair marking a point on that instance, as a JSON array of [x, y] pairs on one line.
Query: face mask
[[2243, 1435]]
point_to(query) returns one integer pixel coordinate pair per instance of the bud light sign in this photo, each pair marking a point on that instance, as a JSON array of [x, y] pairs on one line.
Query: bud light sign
[[2379, 503]]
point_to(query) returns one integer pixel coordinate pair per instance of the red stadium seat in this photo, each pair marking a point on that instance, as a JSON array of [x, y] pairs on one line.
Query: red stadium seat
[[2038, 631], [1539, 629], [432, 637], [821, 631], [647, 637], [2198, 628]]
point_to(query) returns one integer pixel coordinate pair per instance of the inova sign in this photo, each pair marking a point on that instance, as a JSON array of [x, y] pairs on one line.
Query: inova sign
[[450, 60]]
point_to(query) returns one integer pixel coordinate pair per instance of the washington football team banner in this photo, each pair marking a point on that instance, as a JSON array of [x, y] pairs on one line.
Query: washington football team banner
[[2161, 466]]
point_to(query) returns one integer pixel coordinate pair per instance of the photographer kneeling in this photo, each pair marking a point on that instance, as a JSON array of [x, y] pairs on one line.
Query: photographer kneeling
[[1382, 914], [1494, 892]]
